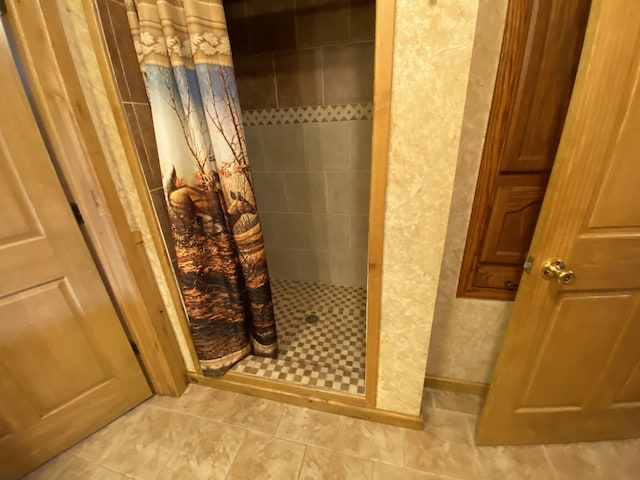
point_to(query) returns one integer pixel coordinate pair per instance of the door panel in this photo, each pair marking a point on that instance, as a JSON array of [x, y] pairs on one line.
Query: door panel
[[66, 366], [568, 369], [545, 83]]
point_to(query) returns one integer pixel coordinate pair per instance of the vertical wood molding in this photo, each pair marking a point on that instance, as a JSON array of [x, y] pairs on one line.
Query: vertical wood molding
[[383, 75], [70, 133], [99, 45]]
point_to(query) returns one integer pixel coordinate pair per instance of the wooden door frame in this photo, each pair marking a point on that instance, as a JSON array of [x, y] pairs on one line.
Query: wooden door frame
[[70, 135], [73, 139]]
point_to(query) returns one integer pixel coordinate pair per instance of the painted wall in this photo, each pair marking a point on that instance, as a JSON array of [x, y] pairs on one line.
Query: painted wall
[[467, 333], [432, 57]]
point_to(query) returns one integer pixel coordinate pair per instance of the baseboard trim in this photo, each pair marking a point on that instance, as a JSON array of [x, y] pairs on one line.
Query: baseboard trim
[[333, 402], [459, 386]]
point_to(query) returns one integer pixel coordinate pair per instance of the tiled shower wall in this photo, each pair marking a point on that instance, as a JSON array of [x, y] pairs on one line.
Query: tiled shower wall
[[305, 76], [305, 80]]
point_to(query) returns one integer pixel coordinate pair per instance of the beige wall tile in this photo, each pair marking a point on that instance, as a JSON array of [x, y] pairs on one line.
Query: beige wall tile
[[306, 192], [319, 22], [332, 232], [348, 73], [360, 144], [310, 427], [349, 269], [299, 77], [265, 458], [254, 413], [283, 147], [443, 447], [431, 60], [320, 464], [373, 441], [255, 150], [299, 265], [348, 192], [327, 145], [271, 191], [359, 228]]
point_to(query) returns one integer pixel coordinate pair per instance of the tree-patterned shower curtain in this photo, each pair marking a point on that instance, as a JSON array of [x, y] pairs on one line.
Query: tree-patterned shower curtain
[[185, 56]]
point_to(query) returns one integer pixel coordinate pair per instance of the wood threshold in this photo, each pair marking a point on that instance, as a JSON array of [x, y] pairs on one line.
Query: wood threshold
[[315, 399], [458, 386], [68, 128]]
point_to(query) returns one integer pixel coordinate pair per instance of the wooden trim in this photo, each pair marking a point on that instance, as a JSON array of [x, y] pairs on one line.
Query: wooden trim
[[458, 386], [117, 107], [68, 128], [310, 398], [383, 76]]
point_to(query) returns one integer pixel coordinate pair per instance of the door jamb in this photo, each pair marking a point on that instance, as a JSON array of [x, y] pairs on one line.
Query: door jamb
[[70, 134]]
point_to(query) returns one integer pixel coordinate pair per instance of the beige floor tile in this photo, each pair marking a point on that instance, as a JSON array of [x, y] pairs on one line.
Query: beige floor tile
[[95, 447], [144, 446], [205, 452], [254, 413], [443, 447], [320, 464], [382, 471], [52, 468], [198, 400], [262, 457], [373, 441], [628, 452], [514, 463], [307, 426], [70, 467], [456, 402], [587, 461]]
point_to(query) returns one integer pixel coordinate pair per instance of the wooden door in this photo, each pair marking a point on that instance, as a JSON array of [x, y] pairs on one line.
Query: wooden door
[[569, 369], [66, 366], [538, 63]]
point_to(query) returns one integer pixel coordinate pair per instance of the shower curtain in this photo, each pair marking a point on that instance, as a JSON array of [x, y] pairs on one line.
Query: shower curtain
[[184, 52]]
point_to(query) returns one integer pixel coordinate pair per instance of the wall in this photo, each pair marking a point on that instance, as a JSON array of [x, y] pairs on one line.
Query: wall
[[305, 81], [467, 333], [431, 61]]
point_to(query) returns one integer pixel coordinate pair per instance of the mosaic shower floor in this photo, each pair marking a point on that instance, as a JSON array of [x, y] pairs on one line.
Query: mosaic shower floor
[[329, 354]]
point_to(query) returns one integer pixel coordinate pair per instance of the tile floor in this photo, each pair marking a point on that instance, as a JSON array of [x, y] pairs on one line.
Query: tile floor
[[329, 354], [211, 434]]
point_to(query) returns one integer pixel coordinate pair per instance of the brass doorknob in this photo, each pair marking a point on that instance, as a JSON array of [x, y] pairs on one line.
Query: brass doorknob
[[556, 269]]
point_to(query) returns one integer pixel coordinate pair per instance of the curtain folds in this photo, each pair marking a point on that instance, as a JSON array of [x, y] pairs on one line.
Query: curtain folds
[[184, 52]]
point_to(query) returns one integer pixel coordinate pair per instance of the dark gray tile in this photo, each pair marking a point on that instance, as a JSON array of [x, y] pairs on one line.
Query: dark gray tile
[[112, 49], [299, 77], [256, 81], [127, 52], [348, 73], [272, 25], [363, 19], [322, 22], [153, 174]]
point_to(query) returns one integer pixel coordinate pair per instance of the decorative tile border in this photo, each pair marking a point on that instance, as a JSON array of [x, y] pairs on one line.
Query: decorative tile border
[[312, 114]]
